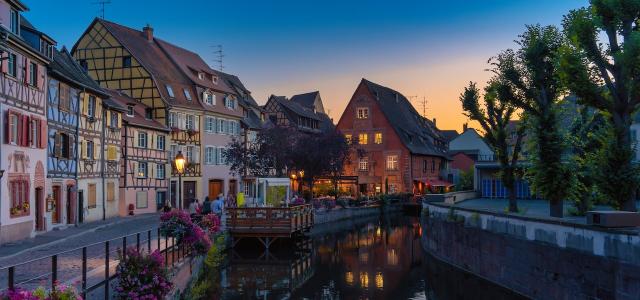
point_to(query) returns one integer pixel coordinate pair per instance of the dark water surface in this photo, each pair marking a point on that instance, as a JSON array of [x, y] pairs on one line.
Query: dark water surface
[[376, 258]]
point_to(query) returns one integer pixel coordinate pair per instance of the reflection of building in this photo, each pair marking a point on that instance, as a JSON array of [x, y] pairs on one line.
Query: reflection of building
[[396, 149], [23, 153]]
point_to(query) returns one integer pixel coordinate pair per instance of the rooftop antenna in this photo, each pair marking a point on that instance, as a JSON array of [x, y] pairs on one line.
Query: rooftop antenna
[[102, 4], [424, 106], [219, 54]]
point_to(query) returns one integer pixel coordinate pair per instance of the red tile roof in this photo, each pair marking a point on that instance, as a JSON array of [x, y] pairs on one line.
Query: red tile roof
[[138, 118]]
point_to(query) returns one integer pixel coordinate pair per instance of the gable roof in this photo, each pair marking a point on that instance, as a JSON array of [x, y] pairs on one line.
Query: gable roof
[[151, 56], [449, 134], [138, 118], [243, 93], [66, 67], [306, 99], [295, 108], [417, 133]]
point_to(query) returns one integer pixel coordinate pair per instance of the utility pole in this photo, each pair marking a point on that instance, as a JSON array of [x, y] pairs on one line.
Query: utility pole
[[102, 4], [219, 55]]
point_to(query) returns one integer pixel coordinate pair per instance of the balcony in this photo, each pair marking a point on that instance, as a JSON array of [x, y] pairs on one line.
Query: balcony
[[185, 136], [190, 170]]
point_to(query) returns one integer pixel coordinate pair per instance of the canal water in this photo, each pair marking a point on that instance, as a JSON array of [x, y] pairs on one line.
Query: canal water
[[375, 258]]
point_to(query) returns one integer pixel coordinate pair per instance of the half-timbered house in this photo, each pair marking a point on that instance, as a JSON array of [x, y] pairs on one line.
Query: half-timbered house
[[143, 185], [133, 62], [303, 112], [23, 151], [110, 156]]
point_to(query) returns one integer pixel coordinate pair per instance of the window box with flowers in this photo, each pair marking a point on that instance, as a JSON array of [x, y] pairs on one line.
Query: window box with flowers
[[19, 195]]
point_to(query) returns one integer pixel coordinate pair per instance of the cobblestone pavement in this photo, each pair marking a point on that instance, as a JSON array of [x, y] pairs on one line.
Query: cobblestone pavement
[[34, 254]]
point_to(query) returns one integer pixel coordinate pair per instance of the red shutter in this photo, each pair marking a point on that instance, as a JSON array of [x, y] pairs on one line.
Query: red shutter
[[44, 134], [26, 133], [5, 62]]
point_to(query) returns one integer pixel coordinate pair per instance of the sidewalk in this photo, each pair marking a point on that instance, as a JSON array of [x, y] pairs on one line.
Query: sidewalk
[[55, 241]]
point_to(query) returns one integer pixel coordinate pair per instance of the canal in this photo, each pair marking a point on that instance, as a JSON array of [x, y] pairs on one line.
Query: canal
[[374, 258]]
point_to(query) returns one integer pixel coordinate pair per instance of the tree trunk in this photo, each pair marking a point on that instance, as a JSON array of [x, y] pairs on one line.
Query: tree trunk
[[556, 208], [513, 203]]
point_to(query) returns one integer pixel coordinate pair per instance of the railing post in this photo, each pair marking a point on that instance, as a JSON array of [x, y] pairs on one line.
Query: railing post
[[124, 246], [84, 272], [166, 250], [138, 241], [54, 270], [12, 271], [149, 240], [173, 250], [106, 268], [158, 238]]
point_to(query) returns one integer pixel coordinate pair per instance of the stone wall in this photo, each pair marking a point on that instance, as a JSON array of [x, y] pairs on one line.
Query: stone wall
[[351, 212], [537, 258], [455, 197]]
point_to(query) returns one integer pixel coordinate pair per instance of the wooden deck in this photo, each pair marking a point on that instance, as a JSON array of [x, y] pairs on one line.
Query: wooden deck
[[268, 223]]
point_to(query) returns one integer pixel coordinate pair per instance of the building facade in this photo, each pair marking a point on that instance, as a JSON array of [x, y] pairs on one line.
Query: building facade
[[24, 127], [304, 112], [144, 164], [395, 149]]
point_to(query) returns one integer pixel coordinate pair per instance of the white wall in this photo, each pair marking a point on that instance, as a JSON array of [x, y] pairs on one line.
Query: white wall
[[470, 140]]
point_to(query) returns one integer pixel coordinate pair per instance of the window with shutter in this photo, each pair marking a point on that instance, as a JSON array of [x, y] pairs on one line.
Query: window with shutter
[[57, 145], [91, 197], [111, 191]]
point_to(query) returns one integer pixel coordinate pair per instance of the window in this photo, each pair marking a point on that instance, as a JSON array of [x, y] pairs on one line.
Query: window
[[142, 170], [363, 113], [363, 139], [92, 196], [363, 164], [209, 155], [190, 122], [189, 154], [84, 64], [91, 107], [35, 132], [141, 199], [170, 91], [130, 110], [11, 65], [148, 113], [210, 124], [230, 103], [62, 146], [19, 195], [433, 165], [187, 94], [112, 152], [33, 74], [392, 162], [214, 79], [201, 76], [13, 128], [173, 120], [349, 138], [173, 151], [15, 21], [115, 119], [126, 61], [220, 125], [209, 98], [89, 150], [160, 171], [378, 138], [220, 157], [142, 139], [111, 191], [160, 142]]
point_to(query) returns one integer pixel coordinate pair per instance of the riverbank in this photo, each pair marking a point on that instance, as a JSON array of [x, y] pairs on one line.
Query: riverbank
[[338, 214], [539, 258]]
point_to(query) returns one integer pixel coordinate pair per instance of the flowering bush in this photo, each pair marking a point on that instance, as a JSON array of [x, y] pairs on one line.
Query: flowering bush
[[176, 224], [142, 276], [211, 223], [199, 241], [18, 294], [59, 292]]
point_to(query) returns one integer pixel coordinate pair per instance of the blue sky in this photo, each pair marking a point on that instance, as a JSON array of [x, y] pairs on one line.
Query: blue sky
[[421, 48]]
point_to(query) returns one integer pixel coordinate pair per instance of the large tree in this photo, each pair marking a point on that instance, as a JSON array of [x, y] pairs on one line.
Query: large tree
[[494, 116], [531, 83], [601, 65]]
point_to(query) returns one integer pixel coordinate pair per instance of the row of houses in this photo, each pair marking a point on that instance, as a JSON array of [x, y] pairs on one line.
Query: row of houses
[[90, 132]]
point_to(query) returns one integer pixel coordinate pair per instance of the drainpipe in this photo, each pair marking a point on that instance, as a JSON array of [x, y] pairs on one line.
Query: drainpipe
[[77, 158], [102, 173]]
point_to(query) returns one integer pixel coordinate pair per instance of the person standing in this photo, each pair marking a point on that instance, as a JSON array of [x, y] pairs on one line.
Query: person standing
[[193, 207], [206, 206]]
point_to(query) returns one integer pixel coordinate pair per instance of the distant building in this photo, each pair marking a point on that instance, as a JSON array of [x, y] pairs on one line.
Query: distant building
[[305, 112], [395, 149]]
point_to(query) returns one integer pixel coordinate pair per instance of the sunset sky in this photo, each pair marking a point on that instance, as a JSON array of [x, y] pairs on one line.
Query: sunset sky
[[423, 48]]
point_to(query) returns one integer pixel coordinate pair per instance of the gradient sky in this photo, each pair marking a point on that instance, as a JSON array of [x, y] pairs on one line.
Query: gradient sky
[[423, 48]]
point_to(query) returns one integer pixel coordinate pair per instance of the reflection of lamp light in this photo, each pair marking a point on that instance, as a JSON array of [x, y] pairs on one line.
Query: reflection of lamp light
[[364, 279], [378, 232], [379, 280], [301, 173], [293, 176], [349, 277]]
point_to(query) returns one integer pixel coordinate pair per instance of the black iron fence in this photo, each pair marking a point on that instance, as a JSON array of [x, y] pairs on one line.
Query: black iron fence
[[91, 268]]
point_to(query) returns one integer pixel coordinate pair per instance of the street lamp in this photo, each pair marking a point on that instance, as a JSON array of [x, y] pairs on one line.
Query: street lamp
[[179, 162]]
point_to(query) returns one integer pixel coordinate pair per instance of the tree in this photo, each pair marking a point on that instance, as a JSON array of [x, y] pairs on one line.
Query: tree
[[466, 180], [337, 149], [494, 119], [600, 65], [532, 84]]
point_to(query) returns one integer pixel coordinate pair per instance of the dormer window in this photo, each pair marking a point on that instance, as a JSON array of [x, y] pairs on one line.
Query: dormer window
[[201, 76], [214, 79], [187, 94], [209, 98], [15, 21], [148, 113], [170, 91], [130, 110], [84, 64]]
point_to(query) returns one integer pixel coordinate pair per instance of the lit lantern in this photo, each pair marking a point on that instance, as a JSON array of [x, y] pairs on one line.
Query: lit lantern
[[180, 162]]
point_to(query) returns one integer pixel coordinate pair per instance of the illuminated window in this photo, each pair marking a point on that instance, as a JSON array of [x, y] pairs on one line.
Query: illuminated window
[[392, 162], [363, 164], [142, 170], [349, 138], [378, 138], [363, 139], [363, 113]]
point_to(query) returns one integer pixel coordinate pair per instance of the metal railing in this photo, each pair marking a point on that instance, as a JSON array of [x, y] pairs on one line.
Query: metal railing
[[90, 268]]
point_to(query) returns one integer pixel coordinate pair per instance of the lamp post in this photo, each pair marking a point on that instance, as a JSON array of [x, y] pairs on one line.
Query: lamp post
[[179, 162]]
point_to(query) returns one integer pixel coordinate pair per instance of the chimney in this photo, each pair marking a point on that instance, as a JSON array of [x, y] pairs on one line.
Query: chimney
[[148, 32], [434, 121], [464, 127]]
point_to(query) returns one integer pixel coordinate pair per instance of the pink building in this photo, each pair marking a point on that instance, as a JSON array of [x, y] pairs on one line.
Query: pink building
[[144, 161]]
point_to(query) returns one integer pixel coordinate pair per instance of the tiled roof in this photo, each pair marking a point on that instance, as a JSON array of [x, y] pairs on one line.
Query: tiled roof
[[306, 100], [65, 66], [243, 93], [138, 118], [296, 108], [449, 134], [416, 132], [157, 62]]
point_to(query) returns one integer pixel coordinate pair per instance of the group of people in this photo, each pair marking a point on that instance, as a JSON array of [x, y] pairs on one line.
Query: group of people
[[216, 206]]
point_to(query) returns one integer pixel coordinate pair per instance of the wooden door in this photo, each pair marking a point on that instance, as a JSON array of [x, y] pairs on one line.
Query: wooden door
[[189, 193], [215, 188], [55, 214]]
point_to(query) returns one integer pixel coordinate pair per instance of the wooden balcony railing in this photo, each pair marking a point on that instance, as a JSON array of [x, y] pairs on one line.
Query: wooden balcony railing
[[269, 221], [183, 136], [190, 170]]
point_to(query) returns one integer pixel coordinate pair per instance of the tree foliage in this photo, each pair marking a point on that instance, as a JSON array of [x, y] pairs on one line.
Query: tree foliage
[[601, 65], [494, 116]]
